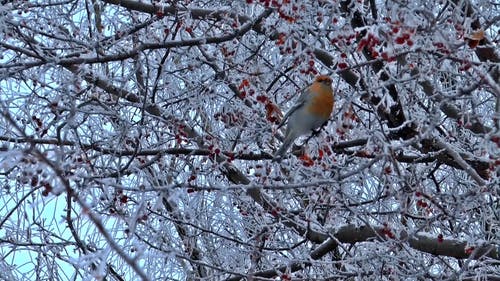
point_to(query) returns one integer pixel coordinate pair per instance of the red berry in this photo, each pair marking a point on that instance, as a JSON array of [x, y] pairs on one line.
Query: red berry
[[440, 238], [399, 40], [342, 65]]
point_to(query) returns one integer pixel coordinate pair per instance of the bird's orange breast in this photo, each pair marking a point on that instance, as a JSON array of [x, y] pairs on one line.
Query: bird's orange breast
[[322, 101]]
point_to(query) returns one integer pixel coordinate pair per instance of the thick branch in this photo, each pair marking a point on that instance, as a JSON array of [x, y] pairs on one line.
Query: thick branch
[[194, 13], [339, 148], [352, 234]]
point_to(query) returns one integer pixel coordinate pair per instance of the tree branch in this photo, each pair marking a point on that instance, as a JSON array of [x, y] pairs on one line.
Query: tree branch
[[352, 234]]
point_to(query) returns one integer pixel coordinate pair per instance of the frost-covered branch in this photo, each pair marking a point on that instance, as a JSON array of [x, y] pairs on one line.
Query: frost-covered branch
[[352, 234]]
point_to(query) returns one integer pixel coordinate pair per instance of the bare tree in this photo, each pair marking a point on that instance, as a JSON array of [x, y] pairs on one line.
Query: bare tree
[[137, 139]]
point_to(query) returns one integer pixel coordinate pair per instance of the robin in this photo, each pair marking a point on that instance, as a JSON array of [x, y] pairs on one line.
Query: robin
[[312, 109]]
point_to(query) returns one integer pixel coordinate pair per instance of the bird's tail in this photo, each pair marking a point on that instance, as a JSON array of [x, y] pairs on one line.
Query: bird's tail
[[283, 149]]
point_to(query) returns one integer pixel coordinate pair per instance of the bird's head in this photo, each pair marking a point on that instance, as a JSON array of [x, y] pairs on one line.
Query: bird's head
[[324, 79]]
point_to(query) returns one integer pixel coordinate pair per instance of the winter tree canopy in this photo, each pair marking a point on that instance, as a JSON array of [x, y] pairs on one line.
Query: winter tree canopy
[[136, 140]]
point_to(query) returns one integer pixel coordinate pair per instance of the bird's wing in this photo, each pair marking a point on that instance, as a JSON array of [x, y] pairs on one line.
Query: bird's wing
[[299, 103]]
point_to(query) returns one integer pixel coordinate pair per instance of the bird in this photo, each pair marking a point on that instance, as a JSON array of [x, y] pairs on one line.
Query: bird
[[312, 109]]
